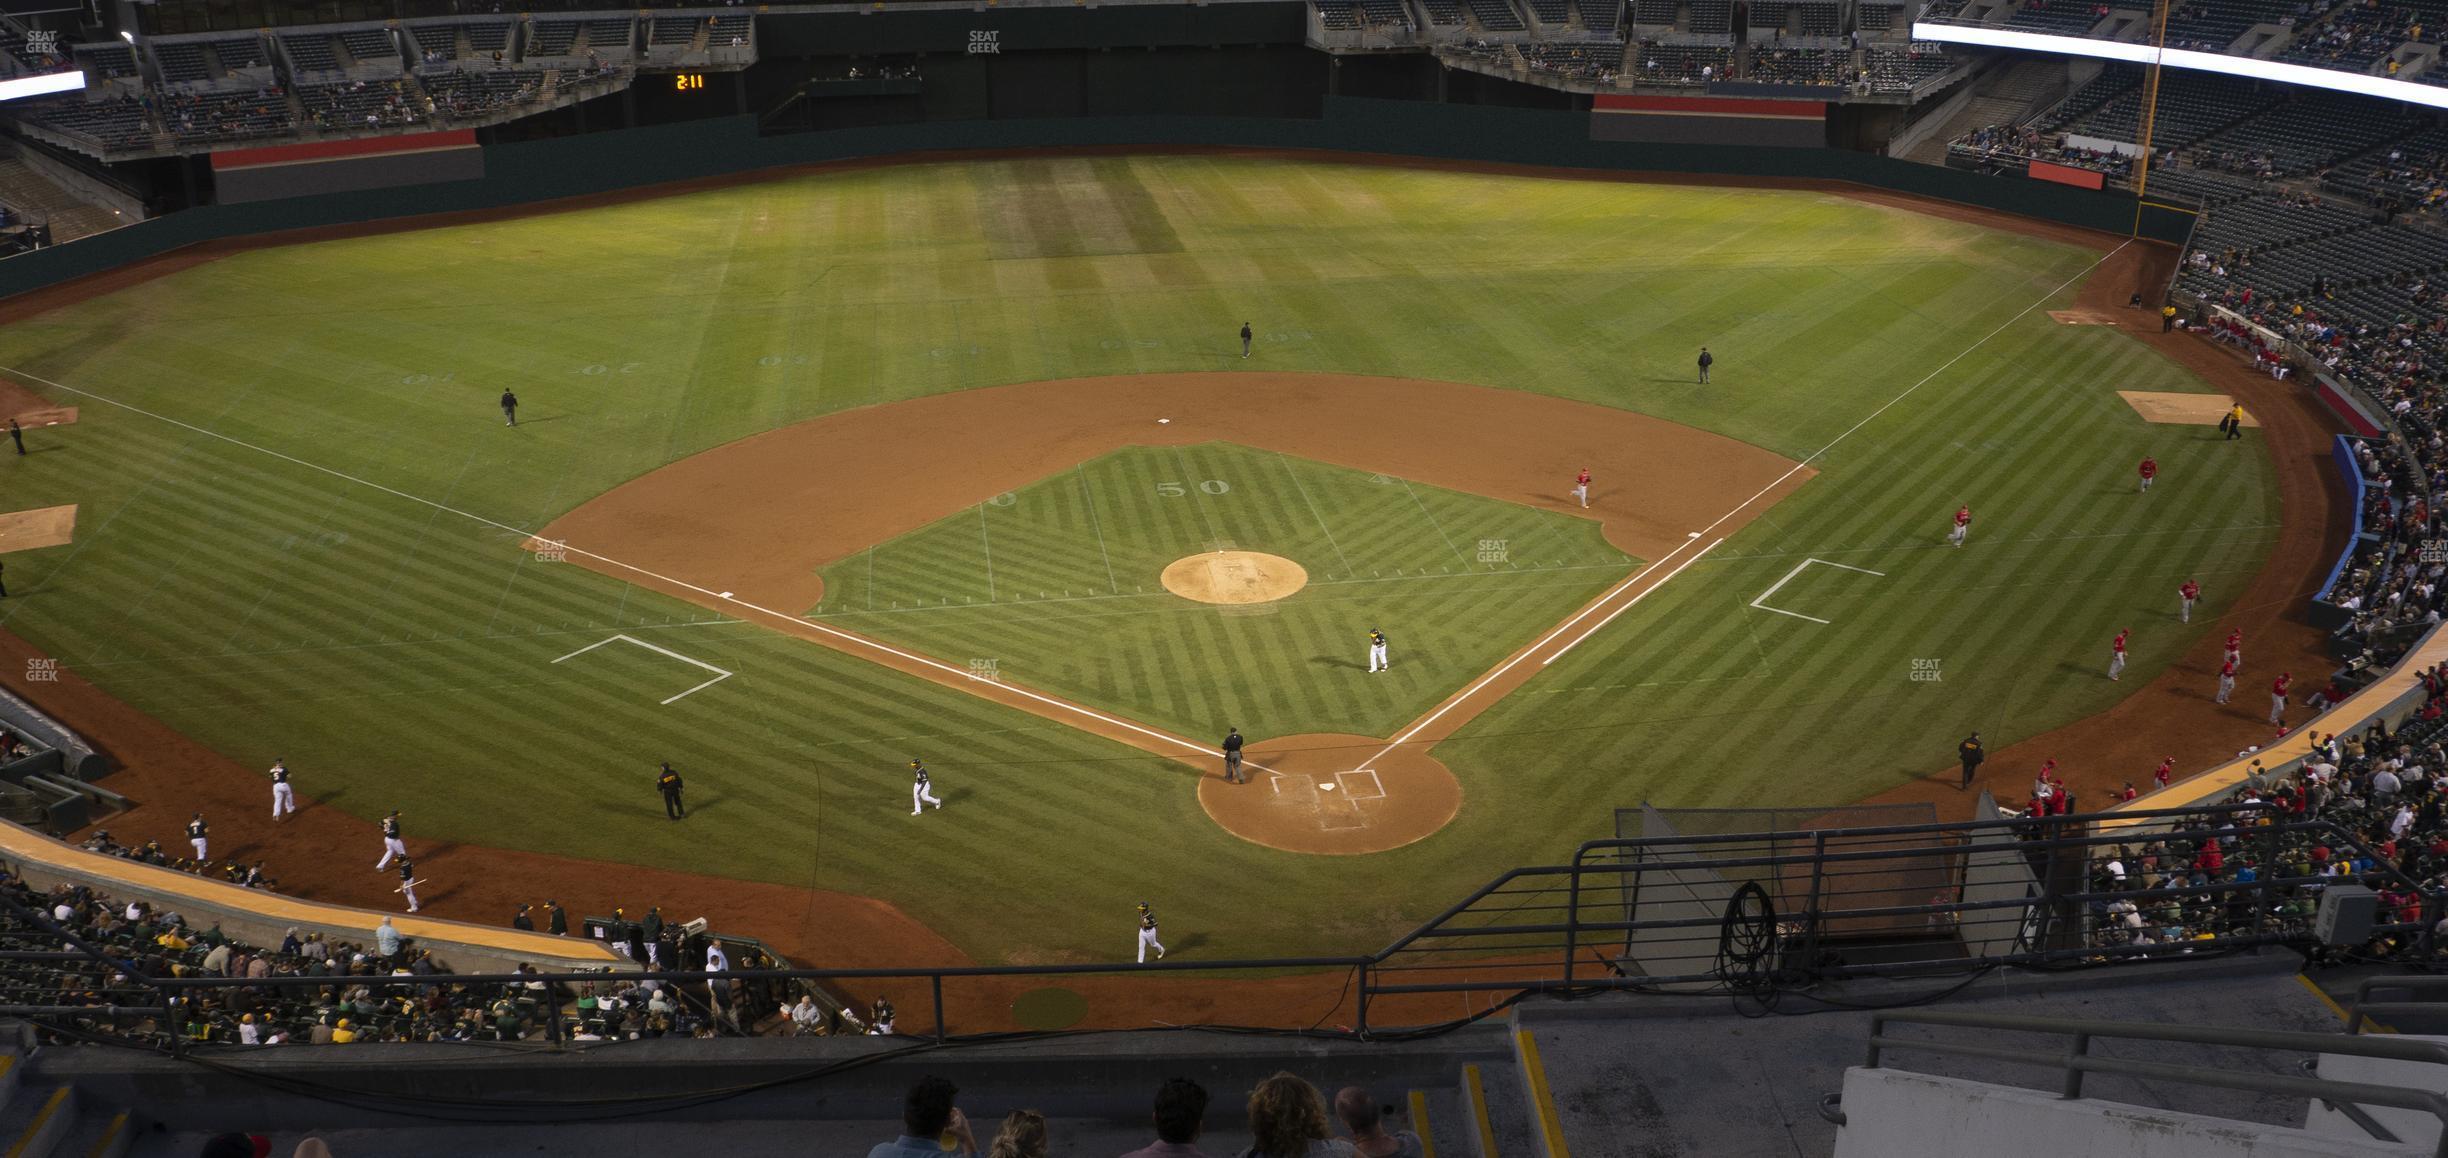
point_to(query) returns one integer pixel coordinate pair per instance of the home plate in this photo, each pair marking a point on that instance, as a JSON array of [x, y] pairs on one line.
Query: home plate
[[1325, 787]]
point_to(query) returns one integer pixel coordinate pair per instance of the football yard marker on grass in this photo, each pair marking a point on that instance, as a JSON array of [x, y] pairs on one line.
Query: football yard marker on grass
[[1804, 565], [719, 674]]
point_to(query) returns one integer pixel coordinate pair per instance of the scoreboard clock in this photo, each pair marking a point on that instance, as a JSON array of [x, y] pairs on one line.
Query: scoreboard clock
[[688, 82]]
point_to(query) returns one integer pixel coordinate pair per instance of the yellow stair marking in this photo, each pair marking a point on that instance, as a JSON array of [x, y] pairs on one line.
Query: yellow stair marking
[[1542, 1101], [59, 1097]]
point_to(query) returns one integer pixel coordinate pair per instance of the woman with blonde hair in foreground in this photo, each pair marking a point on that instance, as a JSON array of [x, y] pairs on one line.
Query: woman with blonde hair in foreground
[[1287, 1119], [1023, 1136]]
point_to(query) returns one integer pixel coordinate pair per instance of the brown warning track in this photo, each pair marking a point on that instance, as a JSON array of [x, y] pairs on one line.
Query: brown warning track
[[743, 528]]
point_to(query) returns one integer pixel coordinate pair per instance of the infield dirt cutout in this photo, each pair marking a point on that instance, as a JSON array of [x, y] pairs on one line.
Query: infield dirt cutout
[[1234, 577], [37, 528], [2182, 409], [743, 529]]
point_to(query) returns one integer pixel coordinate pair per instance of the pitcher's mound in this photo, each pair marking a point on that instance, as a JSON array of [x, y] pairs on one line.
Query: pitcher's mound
[[1234, 577], [1307, 794]]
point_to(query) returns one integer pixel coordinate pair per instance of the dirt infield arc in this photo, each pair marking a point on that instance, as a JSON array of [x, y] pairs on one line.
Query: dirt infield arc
[[743, 529]]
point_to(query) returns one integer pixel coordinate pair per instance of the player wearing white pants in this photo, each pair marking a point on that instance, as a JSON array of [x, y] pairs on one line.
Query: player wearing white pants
[[2116, 657], [1963, 526], [1147, 935], [196, 831], [408, 881], [284, 799], [920, 796], [393, 846], [1377, 651]]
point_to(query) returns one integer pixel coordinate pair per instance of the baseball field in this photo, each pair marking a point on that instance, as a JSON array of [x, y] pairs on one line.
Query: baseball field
[[819, 474]]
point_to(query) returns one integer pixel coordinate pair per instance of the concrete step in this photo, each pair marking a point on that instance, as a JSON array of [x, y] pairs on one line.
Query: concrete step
[[1502, 1122], [36, 1119], [100, 1132]]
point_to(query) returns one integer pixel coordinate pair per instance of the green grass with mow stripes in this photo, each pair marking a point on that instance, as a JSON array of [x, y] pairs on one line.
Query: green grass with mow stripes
[[384, 632], [1057, 584]]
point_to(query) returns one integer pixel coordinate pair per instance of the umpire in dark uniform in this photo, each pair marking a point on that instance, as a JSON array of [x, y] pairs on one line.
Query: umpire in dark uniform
[[668, 783], [17, 435], [1232, 756], [1971, 754], [556, 920], [1706, 360], [509, 405], [1245, 339], [523, 921]]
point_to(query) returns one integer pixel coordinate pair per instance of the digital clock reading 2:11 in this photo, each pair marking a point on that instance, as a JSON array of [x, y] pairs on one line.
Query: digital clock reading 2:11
[[688, 82]]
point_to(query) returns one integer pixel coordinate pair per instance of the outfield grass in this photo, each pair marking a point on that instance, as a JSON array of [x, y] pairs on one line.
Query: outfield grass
[[1058, 585], [402, 655]]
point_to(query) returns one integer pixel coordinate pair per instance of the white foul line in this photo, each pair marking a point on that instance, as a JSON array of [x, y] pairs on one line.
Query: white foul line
[[1696, 536], [719, 674], [844, 636], [1628, 603], [1543, 641], [1762, 601], [1889, 405]]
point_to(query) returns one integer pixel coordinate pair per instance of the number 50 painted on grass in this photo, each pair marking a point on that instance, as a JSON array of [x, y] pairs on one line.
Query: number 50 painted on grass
[[1174, 490]]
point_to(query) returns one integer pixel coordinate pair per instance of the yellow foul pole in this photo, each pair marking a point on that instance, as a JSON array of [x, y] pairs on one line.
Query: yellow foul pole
[[2150, 110]]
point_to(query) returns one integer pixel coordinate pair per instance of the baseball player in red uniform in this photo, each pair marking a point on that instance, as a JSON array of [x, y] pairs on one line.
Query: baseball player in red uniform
[[2128, 793], [1963, 526], [2235, 647], [1581, 487], [2116, 654], [2189, 592], [2166, 768], [2278, 694], [2227, 678], [2149, 470]]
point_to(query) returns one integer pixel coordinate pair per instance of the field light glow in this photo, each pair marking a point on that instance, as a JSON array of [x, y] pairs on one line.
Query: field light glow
[[2295, 74], [44, 85]]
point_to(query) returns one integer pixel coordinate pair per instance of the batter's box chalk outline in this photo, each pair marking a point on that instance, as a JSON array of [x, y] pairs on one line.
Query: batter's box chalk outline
[[1307, 789], [719, 674], [1762, 602]]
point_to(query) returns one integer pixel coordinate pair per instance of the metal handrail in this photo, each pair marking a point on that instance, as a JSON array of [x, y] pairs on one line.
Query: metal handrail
[[2076, 1059], [2362, 1007]]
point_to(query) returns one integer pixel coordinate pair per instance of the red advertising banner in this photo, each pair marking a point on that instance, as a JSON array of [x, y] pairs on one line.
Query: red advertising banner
[[2068, 175]]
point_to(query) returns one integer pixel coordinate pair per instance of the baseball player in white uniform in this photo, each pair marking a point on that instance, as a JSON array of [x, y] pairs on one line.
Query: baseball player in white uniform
[[196, 831], [1377, 651], [408, 881], [284, 799], [1147, 934], [920, 795], [392, 845]]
